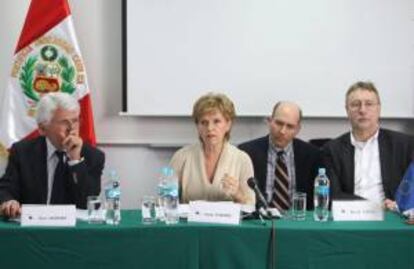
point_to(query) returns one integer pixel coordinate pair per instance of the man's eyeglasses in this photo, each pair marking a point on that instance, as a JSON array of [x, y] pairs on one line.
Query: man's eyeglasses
[[357, 105], [68, 124]]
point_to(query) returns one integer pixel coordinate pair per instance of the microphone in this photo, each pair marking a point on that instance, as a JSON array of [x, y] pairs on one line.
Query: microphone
[[252, 182]]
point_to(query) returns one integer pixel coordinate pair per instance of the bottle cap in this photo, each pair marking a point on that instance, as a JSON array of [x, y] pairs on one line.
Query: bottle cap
[[165, 170], [113, 175], [322, 171]]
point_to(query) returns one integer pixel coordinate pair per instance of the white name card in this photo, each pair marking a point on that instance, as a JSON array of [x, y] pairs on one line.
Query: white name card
[[48, 215], [214, 212], [357, 211]]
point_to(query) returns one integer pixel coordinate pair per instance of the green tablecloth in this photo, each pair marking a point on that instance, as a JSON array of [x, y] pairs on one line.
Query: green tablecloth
[[376, 244], [308, 244]]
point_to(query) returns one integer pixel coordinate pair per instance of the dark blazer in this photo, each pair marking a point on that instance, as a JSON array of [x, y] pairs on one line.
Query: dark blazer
[[25, 179], [307, 160], [395, 150]]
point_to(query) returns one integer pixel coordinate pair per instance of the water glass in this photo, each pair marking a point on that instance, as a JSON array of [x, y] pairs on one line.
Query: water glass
[[171, 209], [95, 209], [298, 209], [148, 210]]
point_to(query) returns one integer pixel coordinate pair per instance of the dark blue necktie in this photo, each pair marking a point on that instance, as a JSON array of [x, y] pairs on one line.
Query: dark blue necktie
[[59, 179]]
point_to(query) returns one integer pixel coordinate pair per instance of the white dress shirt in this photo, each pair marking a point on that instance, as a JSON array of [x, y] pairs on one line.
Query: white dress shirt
[[368, 179]]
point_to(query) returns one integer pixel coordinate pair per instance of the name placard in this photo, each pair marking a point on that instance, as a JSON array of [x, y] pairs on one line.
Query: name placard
[[214, 212], [357, 211], [48, 215]]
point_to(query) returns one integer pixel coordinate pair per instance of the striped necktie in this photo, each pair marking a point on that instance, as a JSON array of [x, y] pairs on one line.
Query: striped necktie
[[281, 199]]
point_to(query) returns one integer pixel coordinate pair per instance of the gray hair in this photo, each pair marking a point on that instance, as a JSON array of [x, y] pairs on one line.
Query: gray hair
[[50, 102], [365, 86]]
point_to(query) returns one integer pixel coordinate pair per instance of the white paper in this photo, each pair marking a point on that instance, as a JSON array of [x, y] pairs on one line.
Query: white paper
[[357, 211], [214, 212], [248, 208], [48, 215], [274, 212]]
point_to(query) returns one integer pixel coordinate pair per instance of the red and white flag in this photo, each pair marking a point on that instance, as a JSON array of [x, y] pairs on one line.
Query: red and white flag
[[47, 59]]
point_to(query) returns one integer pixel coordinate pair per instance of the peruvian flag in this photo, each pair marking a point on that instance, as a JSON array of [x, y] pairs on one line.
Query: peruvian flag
[[47, 59]]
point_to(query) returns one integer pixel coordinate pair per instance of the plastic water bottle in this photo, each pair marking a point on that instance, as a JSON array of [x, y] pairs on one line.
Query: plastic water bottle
[[170, 197], [321, 196], [112, 199], [161, 189]]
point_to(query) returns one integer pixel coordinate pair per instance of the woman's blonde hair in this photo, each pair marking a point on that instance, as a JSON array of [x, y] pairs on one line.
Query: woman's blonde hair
[[211, 102]]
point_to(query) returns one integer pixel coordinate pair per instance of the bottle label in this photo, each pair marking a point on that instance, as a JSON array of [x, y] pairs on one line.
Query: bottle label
[[172, 190], [322, 190], [112, 193]]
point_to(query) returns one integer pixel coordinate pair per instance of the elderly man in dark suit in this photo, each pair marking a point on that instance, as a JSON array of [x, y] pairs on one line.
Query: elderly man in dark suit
[[368, 162], [282, 163], [55, 168]]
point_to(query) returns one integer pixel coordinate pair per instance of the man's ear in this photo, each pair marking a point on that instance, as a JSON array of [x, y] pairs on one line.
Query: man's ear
[[298, 129], [42, 130], [269, 120]]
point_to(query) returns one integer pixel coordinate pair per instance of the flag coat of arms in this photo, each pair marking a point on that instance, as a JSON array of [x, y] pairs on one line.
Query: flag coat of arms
[[47, 59]]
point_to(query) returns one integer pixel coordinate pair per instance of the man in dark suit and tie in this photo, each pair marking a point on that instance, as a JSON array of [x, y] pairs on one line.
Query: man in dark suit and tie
[[55, 168], [368, 162], [282, 163]]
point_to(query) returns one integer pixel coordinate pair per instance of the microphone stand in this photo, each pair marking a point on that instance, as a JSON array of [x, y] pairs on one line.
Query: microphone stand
[[260, 213], [257, 214], [262, 220]]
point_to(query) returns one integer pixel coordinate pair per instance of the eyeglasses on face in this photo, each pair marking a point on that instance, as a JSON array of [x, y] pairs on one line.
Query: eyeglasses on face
[[357, 105], [68, 123]]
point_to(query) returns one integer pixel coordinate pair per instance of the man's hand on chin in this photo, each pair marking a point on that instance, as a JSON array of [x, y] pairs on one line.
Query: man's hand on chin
[[73, 145]]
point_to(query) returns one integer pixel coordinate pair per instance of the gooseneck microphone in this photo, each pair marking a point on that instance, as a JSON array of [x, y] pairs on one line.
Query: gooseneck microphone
[[262, 210], [252, 182]]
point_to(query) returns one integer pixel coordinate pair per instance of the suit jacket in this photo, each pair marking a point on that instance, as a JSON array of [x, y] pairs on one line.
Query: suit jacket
[[25, 179], [307, 160], [395, 151]]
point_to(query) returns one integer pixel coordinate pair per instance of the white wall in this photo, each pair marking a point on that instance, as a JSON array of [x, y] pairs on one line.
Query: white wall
[[129, 141], [278, 49]]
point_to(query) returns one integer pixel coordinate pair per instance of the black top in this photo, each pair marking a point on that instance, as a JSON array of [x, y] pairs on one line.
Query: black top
[[25, 179], [307, 161], [395, 150]]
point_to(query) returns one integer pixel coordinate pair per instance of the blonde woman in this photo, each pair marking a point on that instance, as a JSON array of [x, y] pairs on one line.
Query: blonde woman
[[213, 169]]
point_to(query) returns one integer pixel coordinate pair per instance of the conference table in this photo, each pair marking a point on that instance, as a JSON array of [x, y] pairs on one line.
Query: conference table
[[252, 244]]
